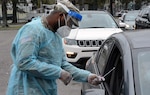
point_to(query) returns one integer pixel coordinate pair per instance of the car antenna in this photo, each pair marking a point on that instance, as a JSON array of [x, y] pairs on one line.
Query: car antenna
[[109, 72]]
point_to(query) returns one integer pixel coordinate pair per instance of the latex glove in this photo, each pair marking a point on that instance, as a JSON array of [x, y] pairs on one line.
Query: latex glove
[[65, 77], [95, 79]]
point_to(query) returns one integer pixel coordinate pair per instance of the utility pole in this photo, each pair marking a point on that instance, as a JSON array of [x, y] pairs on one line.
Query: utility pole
[[82, 8], [14, 2], [111, 8]]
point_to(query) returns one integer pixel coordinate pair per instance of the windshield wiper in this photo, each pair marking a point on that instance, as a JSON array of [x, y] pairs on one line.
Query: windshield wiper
[[95, 27]]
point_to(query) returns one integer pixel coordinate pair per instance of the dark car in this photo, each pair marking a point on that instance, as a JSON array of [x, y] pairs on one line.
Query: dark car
[[124, 61], [9, 17], [143, 18]]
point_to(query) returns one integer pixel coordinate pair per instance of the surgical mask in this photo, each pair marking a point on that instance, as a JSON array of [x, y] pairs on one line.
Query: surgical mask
[[63, 31]]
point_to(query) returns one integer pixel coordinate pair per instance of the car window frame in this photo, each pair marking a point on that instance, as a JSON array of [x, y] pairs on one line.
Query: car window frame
[[99, 53], [121, 83]]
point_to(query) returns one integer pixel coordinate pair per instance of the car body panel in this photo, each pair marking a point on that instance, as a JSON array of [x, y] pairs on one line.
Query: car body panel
[[120, 48], [98, 33]]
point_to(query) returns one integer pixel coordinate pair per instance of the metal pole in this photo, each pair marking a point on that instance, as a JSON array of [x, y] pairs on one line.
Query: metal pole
[[4, 13], [82, 5], [111, 8]]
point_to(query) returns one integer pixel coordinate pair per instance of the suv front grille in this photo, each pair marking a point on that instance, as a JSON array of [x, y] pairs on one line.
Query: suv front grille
[[89, 43]]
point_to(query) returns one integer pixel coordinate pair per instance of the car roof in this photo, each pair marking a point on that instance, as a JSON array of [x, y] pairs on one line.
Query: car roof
[[133, 11], [93, 11], [136, 38]]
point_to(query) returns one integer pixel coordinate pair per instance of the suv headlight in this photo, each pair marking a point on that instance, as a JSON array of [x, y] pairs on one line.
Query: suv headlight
[[68, 41], [130, 27], [127, 26]]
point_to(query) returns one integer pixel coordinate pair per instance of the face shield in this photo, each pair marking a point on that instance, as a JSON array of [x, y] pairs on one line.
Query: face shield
[[74, 16]]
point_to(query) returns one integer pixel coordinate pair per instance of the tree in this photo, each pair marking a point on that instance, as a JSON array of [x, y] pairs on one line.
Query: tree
[[14, 2], [4, 13], [39, 2], [138, 4], [101, 4]]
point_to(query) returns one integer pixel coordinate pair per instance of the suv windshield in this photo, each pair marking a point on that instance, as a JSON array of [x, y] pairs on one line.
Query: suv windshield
[[130, 16], [97, 20]]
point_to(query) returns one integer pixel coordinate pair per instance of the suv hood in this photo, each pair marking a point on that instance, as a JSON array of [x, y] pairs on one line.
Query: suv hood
[[92, 34], [131, 23]]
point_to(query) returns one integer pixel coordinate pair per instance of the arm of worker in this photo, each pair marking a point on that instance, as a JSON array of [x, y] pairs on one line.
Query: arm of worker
[[27, 46]]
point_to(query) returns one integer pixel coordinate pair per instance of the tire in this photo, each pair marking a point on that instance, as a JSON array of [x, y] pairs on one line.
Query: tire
[[137, 26]]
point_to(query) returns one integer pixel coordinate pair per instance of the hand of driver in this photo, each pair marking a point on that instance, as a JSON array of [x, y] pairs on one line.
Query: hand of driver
[[95, 79], [65, 77]]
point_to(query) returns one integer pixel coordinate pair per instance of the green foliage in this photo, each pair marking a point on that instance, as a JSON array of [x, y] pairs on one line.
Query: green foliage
[[101, 3]]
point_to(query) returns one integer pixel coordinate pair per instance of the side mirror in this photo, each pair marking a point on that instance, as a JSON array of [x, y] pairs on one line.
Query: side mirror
[[120, 19], [95, 92], [145, 16], [119, 15]]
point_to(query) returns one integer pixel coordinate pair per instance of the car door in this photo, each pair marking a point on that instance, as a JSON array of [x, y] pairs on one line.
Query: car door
[[96, 63], [113, 72]]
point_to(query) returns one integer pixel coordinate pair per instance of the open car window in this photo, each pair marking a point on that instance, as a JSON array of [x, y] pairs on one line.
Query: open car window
[[103, 54], [114, 82]]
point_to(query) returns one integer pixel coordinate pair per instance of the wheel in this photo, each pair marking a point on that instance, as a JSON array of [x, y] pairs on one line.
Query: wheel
[[137, 26]]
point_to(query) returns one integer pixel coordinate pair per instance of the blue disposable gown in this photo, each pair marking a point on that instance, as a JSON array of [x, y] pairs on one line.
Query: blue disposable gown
[[38, 58]]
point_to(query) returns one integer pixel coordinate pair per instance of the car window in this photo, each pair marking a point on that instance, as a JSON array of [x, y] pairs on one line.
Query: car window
[[140, 13], [103, 53], [143, 60], [144, 11], [97, 20], [130, 16], [114, 81]]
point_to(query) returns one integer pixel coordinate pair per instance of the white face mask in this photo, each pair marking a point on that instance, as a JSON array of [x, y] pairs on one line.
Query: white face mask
[[63, 31]]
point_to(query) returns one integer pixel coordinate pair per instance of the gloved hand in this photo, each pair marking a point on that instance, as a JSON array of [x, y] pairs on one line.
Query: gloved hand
[[65, 77], [95, 79]]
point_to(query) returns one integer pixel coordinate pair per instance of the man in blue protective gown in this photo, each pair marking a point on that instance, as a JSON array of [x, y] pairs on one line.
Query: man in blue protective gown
[[38, 55]]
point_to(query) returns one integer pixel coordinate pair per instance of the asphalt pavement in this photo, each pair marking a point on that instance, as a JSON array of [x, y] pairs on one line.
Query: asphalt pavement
[[6, 38]]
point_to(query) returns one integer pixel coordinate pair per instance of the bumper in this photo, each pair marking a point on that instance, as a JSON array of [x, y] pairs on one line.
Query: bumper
[[76, 54]]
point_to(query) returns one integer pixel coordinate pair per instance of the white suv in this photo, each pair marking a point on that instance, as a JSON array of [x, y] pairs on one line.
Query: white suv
[[94, 28]]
